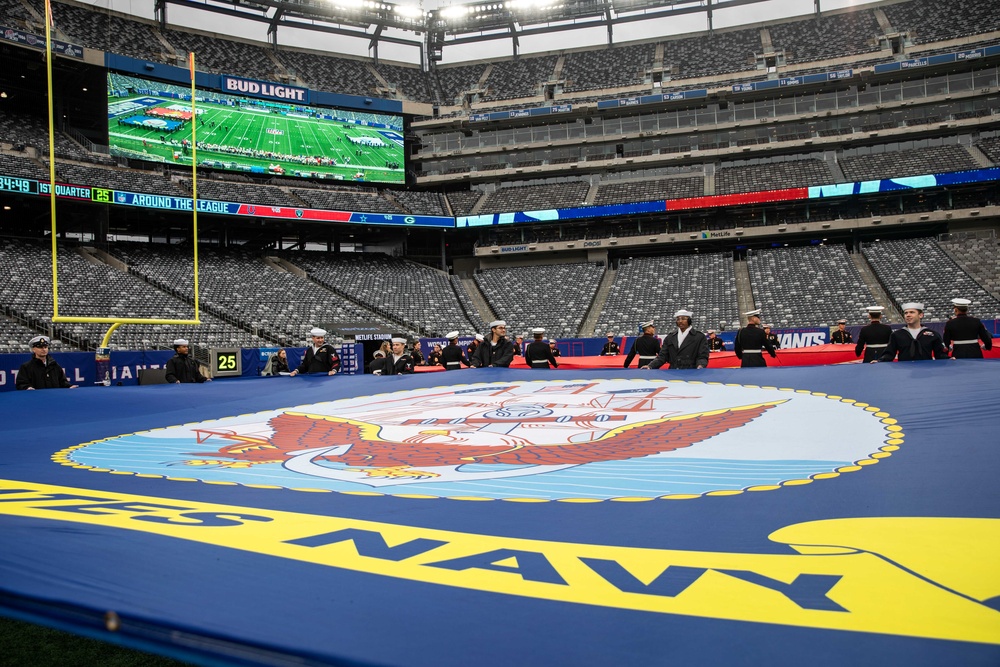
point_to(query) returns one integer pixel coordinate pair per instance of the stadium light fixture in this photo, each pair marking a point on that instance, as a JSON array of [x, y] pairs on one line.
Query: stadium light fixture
[[349, 5], [454, 12], [410, 11]]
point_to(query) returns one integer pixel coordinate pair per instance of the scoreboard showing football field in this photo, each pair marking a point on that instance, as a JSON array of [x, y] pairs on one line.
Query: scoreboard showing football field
[[151, 120]]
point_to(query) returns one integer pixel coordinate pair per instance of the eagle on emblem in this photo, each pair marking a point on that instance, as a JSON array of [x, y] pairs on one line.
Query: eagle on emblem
[[309, 443]]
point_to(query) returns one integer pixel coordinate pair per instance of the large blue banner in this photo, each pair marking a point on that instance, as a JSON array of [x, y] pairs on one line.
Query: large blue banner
[[843, 515]]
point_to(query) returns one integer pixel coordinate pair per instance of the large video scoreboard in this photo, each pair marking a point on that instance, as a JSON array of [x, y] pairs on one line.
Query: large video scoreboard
[[252, 127]]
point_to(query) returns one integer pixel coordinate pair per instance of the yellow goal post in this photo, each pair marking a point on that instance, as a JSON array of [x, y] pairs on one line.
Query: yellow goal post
[[115, 322]]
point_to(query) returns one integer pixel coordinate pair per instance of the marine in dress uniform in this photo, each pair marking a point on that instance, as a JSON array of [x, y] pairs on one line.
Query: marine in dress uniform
[[497, 351], [41, 371], [841, 336], [873, 337], [610, 348], [453, 356], [397, 362], [773, 337], [552, 348], [646, 346], [320, 357], [963, 332], [538, 354], [914, 342], [684, 348], [181, 368], [751, 342], [715, 344]]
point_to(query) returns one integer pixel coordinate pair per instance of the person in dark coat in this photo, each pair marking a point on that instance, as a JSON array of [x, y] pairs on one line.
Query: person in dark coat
[[41, 371], [610, 348], [646, 346], [496, 350], [963, 332], [773, 337], [715, 344], [181, 368], [841, 336], [453, 356], [553, 348], [397, 362], [684, 348], [278, 363], [518, 346], [434, 358], [874, 336], [470, 351], [914, 342], [416, 354], [751, 343], [320, 357], [538, 354]]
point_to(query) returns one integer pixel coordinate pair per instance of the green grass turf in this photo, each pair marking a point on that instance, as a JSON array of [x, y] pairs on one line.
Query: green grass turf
[[27, 645], [242, 128]]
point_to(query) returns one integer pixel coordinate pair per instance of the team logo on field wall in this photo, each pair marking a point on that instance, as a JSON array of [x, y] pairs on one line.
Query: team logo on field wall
[[540, 440]]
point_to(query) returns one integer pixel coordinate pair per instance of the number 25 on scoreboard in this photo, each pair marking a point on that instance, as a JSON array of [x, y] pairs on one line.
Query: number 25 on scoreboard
[[226, 363]]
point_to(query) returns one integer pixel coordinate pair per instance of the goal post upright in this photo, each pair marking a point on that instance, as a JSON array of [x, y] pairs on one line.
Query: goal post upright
[[115, 322], [52, 157], [194, 179]]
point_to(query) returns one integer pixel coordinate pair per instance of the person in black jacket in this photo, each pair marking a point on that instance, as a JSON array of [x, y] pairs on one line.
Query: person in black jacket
[[278, 363], [416, 354], [320, 357], [963, 332], [914, 342], [434, 358], [397, 362], [684, 348], [873, 337], [610, 348], [773, 337], [715, 344], [841, 336], [181, 368], [538, 354], [470, 351], [518, 346], [646, 346], [751, 343], [41, 371], [496, 350], [453, 356]]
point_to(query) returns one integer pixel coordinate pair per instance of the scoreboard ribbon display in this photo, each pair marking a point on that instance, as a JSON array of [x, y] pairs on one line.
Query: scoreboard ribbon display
[[28, 186]]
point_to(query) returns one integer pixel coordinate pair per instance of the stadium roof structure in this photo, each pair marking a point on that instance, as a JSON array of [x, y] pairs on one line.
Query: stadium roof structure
[[459, 23]]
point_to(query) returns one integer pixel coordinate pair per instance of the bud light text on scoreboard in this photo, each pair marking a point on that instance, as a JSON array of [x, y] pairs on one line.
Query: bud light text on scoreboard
[[273, 91]]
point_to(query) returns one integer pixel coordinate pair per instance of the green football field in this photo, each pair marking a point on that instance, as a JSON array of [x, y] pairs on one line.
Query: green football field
[[257, 130]]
